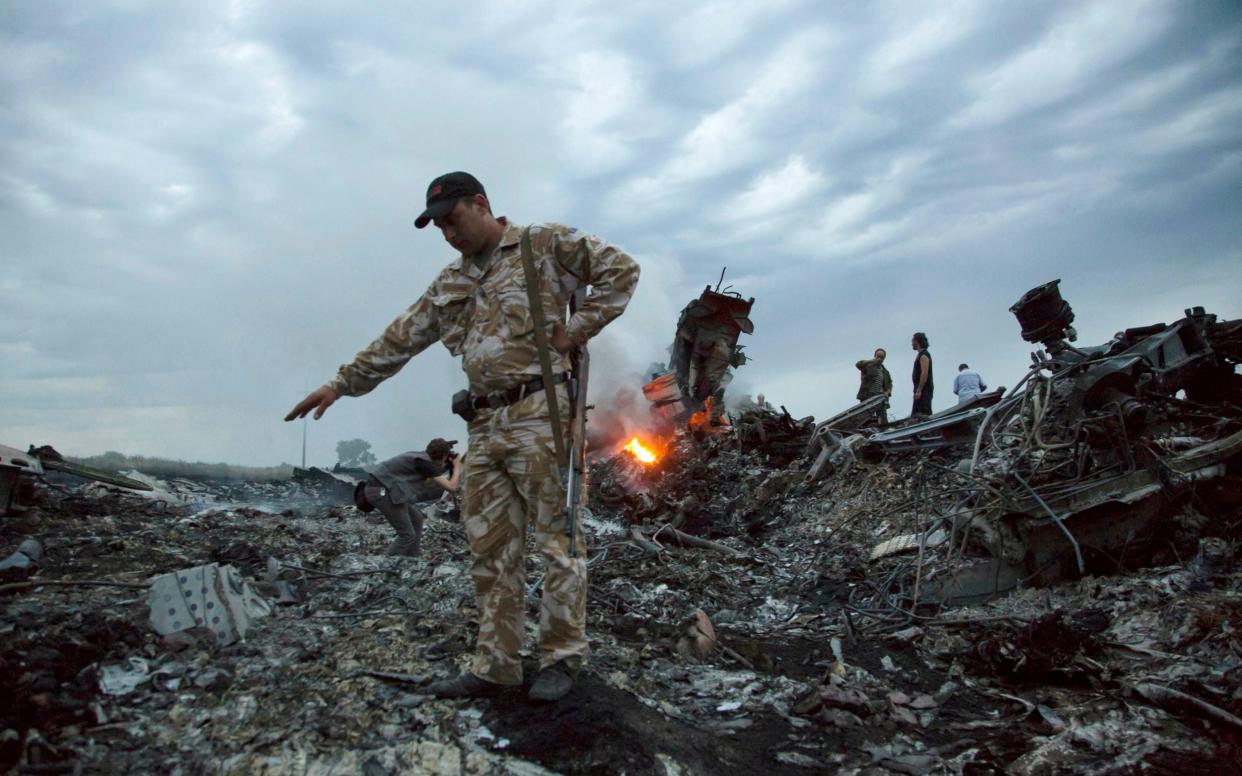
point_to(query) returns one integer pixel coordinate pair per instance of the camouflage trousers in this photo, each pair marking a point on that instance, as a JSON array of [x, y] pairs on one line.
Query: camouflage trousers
[[511, 480]]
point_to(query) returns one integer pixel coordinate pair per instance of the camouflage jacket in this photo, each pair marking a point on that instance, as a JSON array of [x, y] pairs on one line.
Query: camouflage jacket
[[483, 315], [875, 379]]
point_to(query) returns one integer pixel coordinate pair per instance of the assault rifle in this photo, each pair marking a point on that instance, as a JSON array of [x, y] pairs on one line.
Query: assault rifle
[[575, 457], [575, 478]]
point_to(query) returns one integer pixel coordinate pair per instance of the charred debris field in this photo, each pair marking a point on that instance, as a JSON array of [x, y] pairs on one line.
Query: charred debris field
[[1043, 580]]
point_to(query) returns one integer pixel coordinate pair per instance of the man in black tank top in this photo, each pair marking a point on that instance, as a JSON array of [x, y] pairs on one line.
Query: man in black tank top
[[922, 377]]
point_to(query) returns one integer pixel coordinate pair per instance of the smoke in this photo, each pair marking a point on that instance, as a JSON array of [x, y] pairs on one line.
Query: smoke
[[624, 355], [634, 349], [619, 417], [620, 410]]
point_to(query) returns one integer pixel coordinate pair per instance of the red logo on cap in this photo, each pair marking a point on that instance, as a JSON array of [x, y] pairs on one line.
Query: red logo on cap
[[435, 189]]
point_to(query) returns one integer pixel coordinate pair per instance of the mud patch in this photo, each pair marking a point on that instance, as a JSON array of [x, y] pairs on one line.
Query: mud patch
[[46, 679], [795, 658], [600, 729]]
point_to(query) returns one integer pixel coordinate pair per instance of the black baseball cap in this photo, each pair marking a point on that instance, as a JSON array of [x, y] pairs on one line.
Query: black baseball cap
[[438, 447], [443, 193]]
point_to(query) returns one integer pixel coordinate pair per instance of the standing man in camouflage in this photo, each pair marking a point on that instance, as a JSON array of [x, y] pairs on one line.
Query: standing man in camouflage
[[874, 381], [479, 308]]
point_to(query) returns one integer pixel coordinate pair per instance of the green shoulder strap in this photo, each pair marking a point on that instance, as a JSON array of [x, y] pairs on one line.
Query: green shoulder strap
[[541, 343]]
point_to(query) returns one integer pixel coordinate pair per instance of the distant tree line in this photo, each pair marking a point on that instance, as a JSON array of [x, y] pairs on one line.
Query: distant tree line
[[354, 453], [164, 468]]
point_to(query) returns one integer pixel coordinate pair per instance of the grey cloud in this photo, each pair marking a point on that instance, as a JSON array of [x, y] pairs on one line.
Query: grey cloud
[[207, 210]]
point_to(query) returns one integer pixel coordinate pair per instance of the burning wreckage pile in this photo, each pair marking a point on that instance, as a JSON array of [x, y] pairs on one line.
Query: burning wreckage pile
[[1060, 558], [1043, 580]]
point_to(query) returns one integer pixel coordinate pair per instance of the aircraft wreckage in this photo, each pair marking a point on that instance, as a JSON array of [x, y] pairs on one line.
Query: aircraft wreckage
[[768, 594], [704, 351], [1081, 461]]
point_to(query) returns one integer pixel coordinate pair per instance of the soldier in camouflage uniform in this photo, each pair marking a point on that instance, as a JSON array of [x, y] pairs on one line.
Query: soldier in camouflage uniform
[[875, 380], [479, 308]]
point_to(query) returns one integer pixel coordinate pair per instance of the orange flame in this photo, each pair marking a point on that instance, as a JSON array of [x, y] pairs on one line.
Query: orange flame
[[641, 453], [703, 419]]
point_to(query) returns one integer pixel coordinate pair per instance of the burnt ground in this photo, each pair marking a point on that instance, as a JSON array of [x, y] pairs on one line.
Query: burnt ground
[[59, 637], [598, 728], [801, 677]]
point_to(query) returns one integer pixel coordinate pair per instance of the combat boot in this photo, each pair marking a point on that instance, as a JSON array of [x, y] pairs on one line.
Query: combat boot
[[402, 549], [464, 685], [552, 683]]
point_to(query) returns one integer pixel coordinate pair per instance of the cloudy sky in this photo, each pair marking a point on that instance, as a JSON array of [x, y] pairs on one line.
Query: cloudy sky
[[207, 207]]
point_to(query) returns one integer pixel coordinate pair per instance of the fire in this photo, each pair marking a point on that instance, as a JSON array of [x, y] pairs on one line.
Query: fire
[[641, 452], [709, 420]]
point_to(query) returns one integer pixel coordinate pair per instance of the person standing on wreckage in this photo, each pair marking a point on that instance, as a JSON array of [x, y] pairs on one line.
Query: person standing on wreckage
[[875, 380], [924, 385], [479, 308]]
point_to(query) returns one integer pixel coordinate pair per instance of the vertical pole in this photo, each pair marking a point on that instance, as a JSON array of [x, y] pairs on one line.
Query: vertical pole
[[305, 391]]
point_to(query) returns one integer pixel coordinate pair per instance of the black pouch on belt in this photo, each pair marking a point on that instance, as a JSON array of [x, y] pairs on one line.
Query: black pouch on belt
[[463, 406], [360, 497]]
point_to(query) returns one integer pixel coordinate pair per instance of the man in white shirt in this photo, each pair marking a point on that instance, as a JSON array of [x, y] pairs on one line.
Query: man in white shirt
[[968, 384]]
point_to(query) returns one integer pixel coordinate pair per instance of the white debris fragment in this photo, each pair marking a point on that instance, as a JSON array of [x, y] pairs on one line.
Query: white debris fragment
[[122, 680]]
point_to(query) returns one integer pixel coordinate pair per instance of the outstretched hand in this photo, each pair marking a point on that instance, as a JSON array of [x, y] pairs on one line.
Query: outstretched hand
[[318, 400]]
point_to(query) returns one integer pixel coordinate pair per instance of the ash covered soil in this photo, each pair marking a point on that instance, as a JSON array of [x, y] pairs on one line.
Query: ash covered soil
[[771, 652]]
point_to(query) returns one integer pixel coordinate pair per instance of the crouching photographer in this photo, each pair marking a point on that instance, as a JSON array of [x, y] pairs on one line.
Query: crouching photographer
[[395, 487]]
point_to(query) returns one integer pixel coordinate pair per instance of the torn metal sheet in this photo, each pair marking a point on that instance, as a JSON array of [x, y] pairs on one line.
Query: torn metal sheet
[[212, 596], [51, 460], [12, 458], [906, 543], [98, 475], [851, 418], [972, 583], [14, 465], [23, 562], [339, 487], [957, 425], [836, 454], [951, 429]]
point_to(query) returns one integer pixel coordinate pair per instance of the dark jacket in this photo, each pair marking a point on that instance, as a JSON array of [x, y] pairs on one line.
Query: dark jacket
[[409, 476], [875, 379]]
